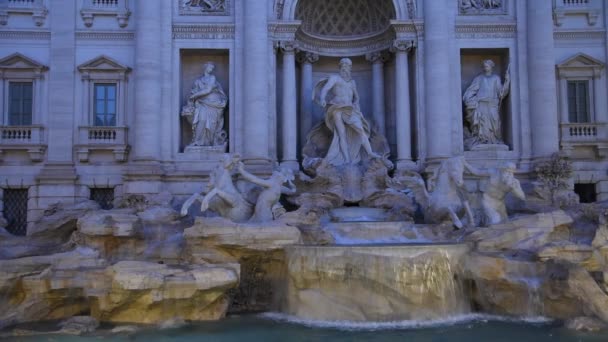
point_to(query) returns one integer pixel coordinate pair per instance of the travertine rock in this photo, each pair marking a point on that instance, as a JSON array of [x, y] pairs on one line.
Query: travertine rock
[[588, 324], [375, 283], [528, 232]]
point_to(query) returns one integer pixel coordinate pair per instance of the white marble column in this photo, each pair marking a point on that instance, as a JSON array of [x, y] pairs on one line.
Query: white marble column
[[377, 59], [541, 79], [255, 82], [437, 76], [289, 140], [402, 104], [148, 80], [306, 59]]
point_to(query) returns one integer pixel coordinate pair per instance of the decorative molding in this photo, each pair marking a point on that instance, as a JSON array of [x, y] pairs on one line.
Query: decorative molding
[[25, 35], [204, 7], [307, 57], [580, 65], [204, 31], [482, 31], [402, 45], [482, 7], [288, 46], [339, 48], [579, 34], [562, 10], [105, 35], [112, 8], [408, 29], [18, 64], [36, 8], [283, 30]]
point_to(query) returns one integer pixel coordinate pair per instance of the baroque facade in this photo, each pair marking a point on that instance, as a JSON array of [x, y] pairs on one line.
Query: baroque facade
[[99, 97]]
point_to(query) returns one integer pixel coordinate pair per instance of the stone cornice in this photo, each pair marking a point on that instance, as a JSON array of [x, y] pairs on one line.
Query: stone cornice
[[408, 29], [579, 34], [20, 35], [486, 30], [283, 30], [349, 47], [105, 35], [204, 31]]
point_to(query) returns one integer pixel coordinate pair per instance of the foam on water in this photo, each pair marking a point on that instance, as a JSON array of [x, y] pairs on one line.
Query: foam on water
[[403, 325]]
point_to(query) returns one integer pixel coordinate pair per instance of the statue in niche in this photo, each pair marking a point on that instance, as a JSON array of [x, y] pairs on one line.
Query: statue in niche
[[249, 199], [205, 109], [500, 182], [206, 5], [482, 100], [351, 132]]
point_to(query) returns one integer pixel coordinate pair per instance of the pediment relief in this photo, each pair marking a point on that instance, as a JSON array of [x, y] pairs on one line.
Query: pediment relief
[[103, 64], [580, 65], [19, 62]]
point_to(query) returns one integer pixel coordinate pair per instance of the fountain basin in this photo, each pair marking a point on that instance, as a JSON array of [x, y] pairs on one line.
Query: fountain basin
[[375, 282]]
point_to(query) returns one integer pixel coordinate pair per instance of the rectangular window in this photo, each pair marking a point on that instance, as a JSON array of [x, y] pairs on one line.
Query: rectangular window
[[578, 101], [20, 103], [105, 104], [15, 210]]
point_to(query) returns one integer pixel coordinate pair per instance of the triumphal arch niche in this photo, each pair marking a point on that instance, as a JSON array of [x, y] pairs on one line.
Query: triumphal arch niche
[[378, 37], [344, 82]]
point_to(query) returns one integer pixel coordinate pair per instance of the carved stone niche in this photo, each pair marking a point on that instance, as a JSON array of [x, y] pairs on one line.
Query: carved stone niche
[[192, 68], [482, 7], [471, 66]]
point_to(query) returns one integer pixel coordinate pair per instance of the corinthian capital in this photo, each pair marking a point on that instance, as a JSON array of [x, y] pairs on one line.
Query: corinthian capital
[[308, 57], [376, 57], [402, 45], [288, 46]]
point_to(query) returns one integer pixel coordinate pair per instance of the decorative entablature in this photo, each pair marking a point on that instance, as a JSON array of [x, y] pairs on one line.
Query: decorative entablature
[[116, 8], [204, 7], [34, 7], [204, 31], [23, 35], [595, 37], [283, 30], [108, 35], [485, 30], [580, 65], [351, 47], [410, 29]]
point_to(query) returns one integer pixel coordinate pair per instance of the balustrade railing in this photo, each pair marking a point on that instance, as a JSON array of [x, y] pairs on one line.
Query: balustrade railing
[[583, 132], [575, 3], [21, 135], [96, 135]]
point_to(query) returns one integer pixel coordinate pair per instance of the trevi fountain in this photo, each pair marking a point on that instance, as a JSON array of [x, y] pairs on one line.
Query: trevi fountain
[[351, 236]]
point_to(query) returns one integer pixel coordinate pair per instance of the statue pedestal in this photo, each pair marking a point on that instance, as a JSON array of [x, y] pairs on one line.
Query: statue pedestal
[[193, 152], [490, 147]]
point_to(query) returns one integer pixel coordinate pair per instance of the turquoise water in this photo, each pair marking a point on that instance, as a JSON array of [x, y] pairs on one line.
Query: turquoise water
[[269, 328]]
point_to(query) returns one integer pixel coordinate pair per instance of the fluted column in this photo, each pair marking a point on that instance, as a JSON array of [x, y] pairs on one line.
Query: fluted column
[[436, 75], [541, 79], [377, 59], [148, 80], [256, 87], [401, 49], [306, 59], [289, 109]]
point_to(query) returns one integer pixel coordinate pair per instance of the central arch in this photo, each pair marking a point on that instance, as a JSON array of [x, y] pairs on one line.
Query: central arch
[[286, 9]]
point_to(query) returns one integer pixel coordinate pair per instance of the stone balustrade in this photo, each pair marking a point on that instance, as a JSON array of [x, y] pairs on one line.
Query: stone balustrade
[[584, 134], [34, 7], [23, 138], [91, 138]]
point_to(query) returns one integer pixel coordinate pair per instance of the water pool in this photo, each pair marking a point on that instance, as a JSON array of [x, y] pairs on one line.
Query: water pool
[[274, 327]]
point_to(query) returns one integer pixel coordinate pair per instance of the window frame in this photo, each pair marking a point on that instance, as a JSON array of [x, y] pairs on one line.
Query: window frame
[[9, 104], [103, 69], [588, 102], [19, 68], [93, 119]]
